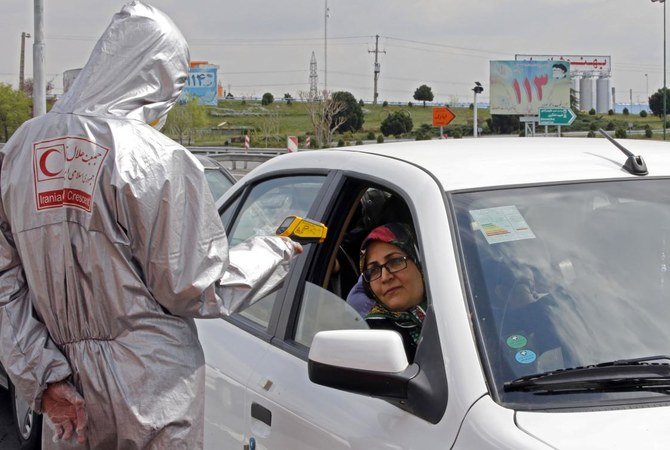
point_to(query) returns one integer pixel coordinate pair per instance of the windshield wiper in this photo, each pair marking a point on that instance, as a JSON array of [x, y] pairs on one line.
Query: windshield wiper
[[622, 374]]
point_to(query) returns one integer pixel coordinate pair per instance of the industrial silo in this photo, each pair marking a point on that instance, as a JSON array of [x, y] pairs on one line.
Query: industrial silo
[[586, 94], [574, 86], [602, 95]]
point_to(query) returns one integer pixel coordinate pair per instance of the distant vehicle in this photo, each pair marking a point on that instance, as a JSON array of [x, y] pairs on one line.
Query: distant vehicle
[[27, 423], [218, 177], [545, 263]]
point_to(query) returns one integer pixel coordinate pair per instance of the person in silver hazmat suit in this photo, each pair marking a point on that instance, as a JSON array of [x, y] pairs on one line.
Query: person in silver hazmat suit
[[110, 245]]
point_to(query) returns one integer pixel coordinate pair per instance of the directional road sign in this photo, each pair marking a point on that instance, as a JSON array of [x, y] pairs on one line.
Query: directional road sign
[[556, 116], [442, 116]]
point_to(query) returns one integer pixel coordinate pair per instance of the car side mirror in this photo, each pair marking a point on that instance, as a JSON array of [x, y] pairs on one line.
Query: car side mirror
[[371, 362]]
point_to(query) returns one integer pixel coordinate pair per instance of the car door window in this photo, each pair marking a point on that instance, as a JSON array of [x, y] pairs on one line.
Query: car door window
[[323, 310], [324, 305], [264, 209]]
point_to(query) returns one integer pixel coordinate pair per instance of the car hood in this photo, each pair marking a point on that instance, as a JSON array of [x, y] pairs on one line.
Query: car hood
[[646, 427]]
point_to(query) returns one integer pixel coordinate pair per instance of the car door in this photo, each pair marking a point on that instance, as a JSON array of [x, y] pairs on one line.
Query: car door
[[286, 409], [234, 347]]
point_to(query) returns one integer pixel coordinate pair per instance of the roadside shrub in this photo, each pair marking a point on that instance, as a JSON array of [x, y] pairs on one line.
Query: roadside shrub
[[359, 142], [410, 104], [593, 127], [610, 112], [361, 102], [620, 133], [592, 112], [380, 139], [370, 135], [591, 134], [648, 133], [385, 104], [456, 133], [643, 113], [340, 143], [267, 99], [610, 126], [625, 111], [397, 123]]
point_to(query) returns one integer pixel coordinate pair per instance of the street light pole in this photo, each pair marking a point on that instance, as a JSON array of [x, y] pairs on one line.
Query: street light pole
[[665, 88], [325, 50], [478, 89], [24, 35], [646, 77]]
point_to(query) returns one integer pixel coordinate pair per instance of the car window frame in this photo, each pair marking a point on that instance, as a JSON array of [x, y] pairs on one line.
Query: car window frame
[[290, 311], [236, 201]]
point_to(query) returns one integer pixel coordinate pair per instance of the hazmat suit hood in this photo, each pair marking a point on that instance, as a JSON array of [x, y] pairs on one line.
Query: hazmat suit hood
[[137, 69]]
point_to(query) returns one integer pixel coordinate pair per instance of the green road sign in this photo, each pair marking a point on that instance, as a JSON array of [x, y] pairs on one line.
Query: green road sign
[[556, 116]]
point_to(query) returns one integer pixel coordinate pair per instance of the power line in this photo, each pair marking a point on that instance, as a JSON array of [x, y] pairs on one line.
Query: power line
[[433, 44]]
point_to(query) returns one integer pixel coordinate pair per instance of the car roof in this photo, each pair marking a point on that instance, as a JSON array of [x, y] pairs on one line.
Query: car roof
[[485, 162], [207, 162]]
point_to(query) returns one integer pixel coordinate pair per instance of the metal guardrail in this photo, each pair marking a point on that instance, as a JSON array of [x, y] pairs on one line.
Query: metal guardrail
[[237, 160], [240, 161]]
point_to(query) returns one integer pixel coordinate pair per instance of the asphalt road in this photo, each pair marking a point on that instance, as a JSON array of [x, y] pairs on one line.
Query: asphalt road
[[8, 439]]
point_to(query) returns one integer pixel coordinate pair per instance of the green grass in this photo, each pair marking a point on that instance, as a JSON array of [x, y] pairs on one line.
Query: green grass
[[281, 120]]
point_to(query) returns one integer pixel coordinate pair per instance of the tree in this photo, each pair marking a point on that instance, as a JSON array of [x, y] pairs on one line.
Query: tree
[[288, 99], [352, 112], [269, 126], [267, 99], [423, 94], [322, 110], [185, 118], [14, 109], [656, 103], [397, 123], [28, 87]]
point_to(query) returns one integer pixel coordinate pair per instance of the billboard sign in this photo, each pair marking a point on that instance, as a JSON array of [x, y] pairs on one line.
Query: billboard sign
[[202, 83], [523, 87], [580, 65]]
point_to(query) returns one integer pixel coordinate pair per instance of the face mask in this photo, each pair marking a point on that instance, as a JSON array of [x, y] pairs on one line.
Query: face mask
[[159, 123]]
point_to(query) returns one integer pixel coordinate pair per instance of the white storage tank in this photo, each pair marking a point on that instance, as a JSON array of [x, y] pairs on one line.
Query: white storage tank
[[602, 95], [574, 85], [586, 94]]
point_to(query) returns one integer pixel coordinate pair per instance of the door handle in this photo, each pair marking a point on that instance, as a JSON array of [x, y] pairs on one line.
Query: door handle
[[261, 413]]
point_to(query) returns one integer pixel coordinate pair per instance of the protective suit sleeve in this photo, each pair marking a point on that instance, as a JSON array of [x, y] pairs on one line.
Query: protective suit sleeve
[[180, 244], [257, 267], [27, 353]]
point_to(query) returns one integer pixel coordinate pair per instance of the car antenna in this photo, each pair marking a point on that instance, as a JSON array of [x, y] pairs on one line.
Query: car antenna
[[634, 164]]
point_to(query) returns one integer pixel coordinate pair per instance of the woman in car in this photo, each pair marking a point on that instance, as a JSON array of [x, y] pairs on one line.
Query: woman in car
[[392, 276]]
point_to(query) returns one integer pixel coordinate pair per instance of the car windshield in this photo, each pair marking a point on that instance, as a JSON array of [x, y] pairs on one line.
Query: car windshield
[[567, 276]]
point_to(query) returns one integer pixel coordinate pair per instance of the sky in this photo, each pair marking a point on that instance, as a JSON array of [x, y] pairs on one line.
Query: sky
[[265, 46]]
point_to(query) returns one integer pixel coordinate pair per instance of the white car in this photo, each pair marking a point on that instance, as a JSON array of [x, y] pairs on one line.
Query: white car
[[578, 228]]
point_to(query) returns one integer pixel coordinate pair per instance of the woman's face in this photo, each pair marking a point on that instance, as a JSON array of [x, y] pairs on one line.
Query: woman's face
[[398, 291]]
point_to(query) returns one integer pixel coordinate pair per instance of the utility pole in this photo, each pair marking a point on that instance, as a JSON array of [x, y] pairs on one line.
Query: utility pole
[[24, 35], [39, 84], [376, 52]]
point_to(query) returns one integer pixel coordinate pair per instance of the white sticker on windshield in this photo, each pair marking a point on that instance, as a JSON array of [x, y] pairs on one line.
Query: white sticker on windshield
[[502, 224]]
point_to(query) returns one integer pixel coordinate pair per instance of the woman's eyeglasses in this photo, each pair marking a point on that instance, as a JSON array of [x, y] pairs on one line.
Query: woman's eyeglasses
[[393, 265]]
